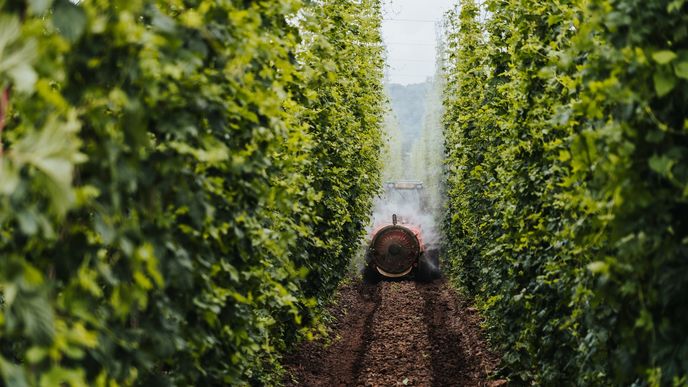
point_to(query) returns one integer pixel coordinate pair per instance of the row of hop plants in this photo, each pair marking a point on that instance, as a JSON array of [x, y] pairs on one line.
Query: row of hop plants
[[567, 155], [182, 183]]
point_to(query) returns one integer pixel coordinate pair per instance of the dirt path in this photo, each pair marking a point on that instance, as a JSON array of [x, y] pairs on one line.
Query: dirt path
[[395, 334]]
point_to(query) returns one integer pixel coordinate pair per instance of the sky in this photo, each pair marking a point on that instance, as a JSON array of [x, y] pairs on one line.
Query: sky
[[409, 30]]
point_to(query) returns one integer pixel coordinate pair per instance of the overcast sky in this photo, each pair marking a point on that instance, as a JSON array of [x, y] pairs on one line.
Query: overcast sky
[[409, 31]]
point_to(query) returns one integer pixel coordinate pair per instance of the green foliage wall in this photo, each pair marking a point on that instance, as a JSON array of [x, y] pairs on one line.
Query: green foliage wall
[[181, 183], [345, 105], [566, 140], [393, 151]]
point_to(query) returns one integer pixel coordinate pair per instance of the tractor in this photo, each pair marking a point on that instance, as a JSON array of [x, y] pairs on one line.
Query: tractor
[[397, 248]]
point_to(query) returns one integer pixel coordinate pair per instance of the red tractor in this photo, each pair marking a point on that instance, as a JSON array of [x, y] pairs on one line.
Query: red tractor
[[397, 249]]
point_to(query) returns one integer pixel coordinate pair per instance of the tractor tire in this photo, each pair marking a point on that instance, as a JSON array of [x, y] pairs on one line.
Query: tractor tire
[[428, 266], [371, 275]]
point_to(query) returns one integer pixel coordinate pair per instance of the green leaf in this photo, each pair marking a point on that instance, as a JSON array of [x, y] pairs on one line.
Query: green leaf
[[681, 69], [58, 376], [675, 6], [69, 19], [27, 222], [662, 165], [9, 178], [644, 320], [664, 82], [36, 354], [12, 374], [37, 316], [547, 73], [663, 56], [39, 6], [24, 77], [598, 267], [16, 54], [53, 150]]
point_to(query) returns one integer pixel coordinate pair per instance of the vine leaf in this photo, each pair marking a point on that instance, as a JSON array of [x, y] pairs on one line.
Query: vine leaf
[[664, 56], [664, 82], [69, 19], [681, 69], [662, 165]]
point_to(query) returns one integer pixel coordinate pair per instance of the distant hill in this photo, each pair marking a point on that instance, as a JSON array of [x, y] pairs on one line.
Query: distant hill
[[408, 105]]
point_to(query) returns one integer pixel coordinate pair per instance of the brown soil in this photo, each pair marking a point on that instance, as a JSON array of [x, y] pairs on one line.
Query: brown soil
[[397, 333]]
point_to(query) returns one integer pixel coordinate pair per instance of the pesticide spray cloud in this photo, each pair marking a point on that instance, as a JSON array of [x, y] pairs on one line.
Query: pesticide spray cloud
[[411, 208]]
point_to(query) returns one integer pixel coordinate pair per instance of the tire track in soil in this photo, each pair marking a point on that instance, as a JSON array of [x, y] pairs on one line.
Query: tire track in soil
[[400, 352], [337, 363], [459, 355], [397, 333]]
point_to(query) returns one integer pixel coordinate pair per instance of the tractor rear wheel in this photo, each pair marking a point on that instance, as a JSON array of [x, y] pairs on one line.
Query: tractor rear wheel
[[371, 275], [428, 266]]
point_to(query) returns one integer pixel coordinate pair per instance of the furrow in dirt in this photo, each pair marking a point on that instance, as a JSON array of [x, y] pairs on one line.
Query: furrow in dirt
[[397, 333], [337, 360], [399, 353], [459, 355]]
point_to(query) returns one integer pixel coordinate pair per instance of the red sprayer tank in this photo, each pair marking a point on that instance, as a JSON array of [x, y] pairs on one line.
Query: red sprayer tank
[[394, 249]]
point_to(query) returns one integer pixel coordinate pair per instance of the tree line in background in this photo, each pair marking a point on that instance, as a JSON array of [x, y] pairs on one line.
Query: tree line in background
[[182, 183], [567, 220], [414, 140]]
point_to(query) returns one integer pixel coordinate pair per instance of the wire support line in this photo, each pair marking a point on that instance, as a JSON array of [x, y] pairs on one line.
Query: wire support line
[[412, 75], [412, 20], [411, 60], [410, 44]]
